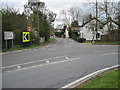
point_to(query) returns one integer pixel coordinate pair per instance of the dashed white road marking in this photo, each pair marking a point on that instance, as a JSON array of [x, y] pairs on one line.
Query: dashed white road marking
[[106, 50], [33, 62], [66, 57], [111, 53], [47, 61], [43, 65], [18, 67]]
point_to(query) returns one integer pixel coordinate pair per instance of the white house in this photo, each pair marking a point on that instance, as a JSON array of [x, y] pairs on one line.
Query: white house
[[109, 26], [87, 30], [66, 33]]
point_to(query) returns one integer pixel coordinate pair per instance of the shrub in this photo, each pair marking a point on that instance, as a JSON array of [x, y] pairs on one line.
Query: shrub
[[58, 34], [81, 40]]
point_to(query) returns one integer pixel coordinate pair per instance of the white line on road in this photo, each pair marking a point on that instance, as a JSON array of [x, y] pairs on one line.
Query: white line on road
[[43, 65], [106, 50], [47, 61], [33, 62], [67, 58], [111, 53]]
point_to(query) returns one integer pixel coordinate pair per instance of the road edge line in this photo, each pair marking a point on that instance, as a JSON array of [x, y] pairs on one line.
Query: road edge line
[[87, 77]]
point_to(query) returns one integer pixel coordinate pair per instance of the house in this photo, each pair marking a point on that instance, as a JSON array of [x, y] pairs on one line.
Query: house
[[109, 26], [87, 30], [62, 31], [111, 31]]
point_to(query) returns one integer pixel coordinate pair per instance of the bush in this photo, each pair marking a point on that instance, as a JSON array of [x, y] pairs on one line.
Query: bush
[[81, 40]]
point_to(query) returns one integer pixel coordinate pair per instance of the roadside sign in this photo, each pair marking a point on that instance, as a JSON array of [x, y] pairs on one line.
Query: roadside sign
[[26, 36], [8, 35], [29, 28]]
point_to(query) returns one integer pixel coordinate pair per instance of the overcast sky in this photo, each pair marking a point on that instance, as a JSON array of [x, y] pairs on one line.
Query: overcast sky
[[54, 5]]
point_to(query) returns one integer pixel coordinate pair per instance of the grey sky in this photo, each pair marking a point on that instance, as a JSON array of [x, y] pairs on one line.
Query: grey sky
[[54, 5]]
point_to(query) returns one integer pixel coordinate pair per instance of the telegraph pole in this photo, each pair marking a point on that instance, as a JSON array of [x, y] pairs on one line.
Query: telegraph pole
[[38, 21], [96, 29], [119, 14]]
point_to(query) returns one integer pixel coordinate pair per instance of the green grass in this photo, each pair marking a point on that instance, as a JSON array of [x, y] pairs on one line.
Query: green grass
[[51, 40], [104, 43], [107, 79], [107, 43], [87, 42], [18, 47]]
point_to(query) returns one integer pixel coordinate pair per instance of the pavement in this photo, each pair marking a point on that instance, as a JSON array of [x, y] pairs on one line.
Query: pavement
[[55, 65]]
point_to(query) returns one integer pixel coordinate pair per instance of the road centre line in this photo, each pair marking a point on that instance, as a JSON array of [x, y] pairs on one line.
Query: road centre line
[[111, 53], [105, 50], [33, 62], [43, 65]]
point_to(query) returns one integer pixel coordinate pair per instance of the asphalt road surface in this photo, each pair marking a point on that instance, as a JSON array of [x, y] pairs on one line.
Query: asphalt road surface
[[55, 65]]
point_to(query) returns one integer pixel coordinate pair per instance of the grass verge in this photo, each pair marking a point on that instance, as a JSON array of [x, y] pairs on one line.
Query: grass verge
[[108, 79], [19, 47], [107, 43], [87, 42]]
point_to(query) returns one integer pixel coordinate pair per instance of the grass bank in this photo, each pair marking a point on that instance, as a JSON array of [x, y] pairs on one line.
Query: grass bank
[[104, 43], [108, 79], [19, 47], [87, 42], [107, 43]]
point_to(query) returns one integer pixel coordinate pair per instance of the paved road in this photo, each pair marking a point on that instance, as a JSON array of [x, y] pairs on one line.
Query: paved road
[[55, 65]]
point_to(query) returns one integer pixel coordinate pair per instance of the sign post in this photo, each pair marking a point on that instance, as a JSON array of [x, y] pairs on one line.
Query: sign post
[[8, 35], [6, 43], [12, 43]]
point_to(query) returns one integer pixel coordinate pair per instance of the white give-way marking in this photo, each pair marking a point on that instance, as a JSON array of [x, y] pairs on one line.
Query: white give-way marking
[[34, 62], [44, 64]]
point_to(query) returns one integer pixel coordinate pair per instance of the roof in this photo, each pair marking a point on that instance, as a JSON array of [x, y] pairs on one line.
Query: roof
[[111, 21], [90, 21]]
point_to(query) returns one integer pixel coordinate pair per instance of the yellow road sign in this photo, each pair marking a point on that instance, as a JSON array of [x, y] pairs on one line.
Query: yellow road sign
[[26, 36]]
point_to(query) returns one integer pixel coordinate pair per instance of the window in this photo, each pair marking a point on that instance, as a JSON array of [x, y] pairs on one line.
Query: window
[[98, 35]]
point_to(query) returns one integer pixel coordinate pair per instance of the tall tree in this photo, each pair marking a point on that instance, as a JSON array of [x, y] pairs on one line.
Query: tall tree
[[39, 16]]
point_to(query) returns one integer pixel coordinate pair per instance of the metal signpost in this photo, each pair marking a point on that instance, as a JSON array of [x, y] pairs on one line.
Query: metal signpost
[[8, 35]]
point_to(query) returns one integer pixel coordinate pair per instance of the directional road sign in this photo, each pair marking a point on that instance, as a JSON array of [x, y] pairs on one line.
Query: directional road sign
[[26, 36]]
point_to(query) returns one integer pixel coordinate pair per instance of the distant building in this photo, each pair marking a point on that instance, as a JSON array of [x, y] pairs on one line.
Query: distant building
[[109, 26], [87, 30], [63, 30]]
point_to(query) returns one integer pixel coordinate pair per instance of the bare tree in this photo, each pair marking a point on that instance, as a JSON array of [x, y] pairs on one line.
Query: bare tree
[[75, 13], [70, 15], [108, 8], [65, 17]]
